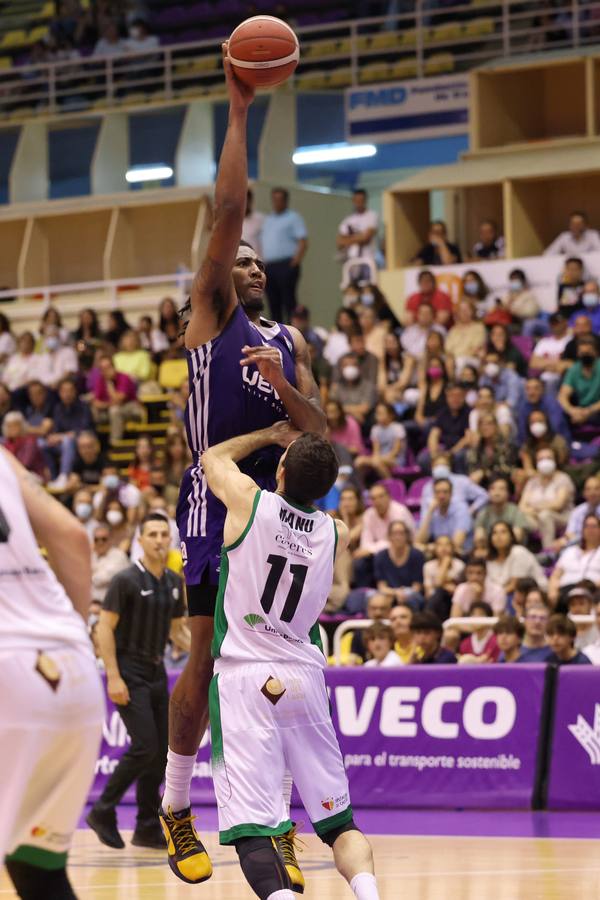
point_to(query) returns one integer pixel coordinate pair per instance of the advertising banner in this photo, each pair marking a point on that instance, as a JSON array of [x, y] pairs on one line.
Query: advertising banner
[[416, 736], [574, 776], [408, 110]]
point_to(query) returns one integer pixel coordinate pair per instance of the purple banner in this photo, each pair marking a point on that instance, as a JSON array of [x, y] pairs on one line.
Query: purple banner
[[574, 778], [416, 736]]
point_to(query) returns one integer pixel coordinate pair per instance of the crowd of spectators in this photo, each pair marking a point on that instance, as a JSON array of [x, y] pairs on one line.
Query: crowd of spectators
[[469, 457]]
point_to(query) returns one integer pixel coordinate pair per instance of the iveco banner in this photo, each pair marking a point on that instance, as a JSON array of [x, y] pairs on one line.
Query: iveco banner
[[423, 736], [407, 110]]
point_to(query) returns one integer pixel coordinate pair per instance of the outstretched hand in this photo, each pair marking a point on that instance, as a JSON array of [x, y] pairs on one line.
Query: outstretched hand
[[240, 95]]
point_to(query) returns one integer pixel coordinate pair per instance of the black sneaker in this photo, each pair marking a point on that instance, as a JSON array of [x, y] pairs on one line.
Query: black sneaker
[[105, 826], [152, 838]]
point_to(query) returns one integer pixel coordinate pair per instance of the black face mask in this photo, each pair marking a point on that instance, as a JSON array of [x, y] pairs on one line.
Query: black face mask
[[587, 359]]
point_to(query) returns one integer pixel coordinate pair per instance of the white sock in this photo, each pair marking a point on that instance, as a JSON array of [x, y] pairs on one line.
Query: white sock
[[282, 895], [287, 791], [178, 777], [364, 886]]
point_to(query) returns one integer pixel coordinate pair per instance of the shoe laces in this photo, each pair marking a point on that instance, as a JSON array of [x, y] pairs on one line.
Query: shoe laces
[[289, 844], [183, 834]]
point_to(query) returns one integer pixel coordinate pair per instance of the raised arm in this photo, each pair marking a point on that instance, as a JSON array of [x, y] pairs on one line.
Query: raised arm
[[61, 534], [213, 296], [302, 404], [234, 489]]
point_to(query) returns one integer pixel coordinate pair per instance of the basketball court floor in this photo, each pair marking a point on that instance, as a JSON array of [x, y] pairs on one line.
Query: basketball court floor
[[421, 855]]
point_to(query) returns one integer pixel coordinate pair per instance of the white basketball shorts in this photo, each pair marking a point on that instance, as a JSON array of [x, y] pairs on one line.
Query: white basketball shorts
[[51, 714], [266, 718]]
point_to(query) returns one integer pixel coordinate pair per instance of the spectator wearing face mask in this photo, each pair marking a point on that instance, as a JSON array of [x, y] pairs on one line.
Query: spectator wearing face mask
[[438, 251], [61, 359], [490, 244], [499, 508], [463, 489], [84, 509], [538, 434], [579, 394], [113, 515], [467, 337], [504, 382], [547, 498], [474, 288], [140, 40], [429, 294], [356, 393], [522, 304], [433, 381], [579, 238], [590, 303], [537, 399], [113, 487]]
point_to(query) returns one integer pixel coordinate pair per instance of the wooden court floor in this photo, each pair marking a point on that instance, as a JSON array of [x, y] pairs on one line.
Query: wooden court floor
[[408, 868]]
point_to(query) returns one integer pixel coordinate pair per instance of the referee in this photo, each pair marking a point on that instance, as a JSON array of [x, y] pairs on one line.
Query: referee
[[143, 607]]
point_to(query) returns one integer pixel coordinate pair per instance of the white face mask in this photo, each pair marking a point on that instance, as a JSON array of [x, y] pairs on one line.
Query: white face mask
[[589, 299], [83, 510], [492, 369], [440, 472], [351, 373], [471, 288], [515, 286], [367, 299], [538, 429], [546, 466], [471, 398], [114, 517]]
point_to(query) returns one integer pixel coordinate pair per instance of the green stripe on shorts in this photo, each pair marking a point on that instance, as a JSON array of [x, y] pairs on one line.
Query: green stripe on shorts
[[243, 831], [216, 731], [341, 818], [38, 857]]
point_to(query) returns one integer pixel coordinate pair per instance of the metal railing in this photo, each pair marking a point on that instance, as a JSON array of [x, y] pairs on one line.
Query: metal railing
[[419, 43]]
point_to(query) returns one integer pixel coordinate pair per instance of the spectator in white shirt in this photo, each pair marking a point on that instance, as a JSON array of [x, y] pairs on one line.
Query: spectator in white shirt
[[577, 240], [61, 360], [111, 43], [8, 344], [592, 651], [140, 39], [253, 225], [357, 234], [24, 365], [547, 354], [379, 641], [577, 562], [106, 562]]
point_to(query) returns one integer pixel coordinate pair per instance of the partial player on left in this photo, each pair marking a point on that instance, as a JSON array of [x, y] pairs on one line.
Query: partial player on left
[[51, 698]]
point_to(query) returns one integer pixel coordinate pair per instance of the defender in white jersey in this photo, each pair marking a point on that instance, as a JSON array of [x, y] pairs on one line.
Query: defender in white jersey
[[268, 701], [51, 699]]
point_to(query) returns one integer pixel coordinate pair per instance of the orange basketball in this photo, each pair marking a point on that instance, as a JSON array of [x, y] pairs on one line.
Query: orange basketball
[[264, 51]]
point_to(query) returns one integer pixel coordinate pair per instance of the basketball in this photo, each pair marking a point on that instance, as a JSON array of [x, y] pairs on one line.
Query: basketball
[[264, 51]]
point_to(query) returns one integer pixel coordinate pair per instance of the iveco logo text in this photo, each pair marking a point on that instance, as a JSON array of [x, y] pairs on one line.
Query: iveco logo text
[[382, 97], [486, 713]]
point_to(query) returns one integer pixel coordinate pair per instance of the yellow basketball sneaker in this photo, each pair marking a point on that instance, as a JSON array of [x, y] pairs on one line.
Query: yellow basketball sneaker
[[286, 845], [188, 858]]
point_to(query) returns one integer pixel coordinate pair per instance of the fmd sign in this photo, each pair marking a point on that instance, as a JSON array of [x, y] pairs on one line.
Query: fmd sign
[[407, 110]]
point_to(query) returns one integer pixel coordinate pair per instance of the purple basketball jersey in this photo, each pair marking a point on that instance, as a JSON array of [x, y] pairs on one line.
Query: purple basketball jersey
[[226, 400]]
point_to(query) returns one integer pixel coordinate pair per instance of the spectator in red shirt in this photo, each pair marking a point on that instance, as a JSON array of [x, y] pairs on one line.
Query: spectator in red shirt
[[115, 398], [481, 646], [430, 293], [140, 470], [23, 446]]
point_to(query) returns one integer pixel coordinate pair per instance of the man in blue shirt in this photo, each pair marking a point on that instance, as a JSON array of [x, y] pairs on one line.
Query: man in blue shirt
[[284, 243], [463, 489], [446, 516], [534, 647], [427, 632], [71, 417], [536, 399], [504, 382]]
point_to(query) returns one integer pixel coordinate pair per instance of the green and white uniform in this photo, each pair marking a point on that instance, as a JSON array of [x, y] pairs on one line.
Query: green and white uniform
[[268, 702]]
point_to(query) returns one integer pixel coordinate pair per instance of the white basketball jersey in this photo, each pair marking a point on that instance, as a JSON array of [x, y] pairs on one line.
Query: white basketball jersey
[[35, 611], [274, 583]]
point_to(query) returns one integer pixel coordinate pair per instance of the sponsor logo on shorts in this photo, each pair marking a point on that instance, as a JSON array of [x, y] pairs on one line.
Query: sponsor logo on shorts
[[332, 803], [273, 690]]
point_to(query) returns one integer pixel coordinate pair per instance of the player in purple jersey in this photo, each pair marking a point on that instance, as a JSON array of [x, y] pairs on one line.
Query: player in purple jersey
[[245, 373]]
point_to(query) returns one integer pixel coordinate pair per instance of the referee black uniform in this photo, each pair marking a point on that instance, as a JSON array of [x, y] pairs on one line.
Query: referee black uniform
[[146, 607]]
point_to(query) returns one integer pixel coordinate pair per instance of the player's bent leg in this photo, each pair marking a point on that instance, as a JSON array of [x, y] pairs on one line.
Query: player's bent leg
[[263, 867], [34, 883], [353, 859], [188, 720]]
